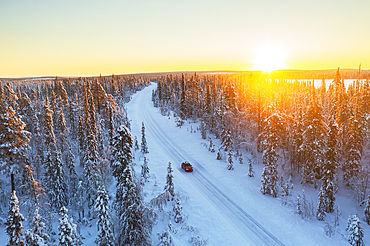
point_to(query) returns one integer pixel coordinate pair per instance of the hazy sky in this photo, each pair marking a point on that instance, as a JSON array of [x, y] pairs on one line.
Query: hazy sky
[[81, 38]]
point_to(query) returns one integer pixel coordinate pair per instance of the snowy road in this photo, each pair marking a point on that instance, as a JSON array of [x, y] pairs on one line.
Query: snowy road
[[244, 224]]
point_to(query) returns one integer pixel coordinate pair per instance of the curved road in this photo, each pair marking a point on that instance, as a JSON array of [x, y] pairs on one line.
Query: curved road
[[244, 223]]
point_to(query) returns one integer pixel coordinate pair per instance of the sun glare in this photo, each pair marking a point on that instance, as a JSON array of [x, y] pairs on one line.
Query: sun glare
[[269, 58]]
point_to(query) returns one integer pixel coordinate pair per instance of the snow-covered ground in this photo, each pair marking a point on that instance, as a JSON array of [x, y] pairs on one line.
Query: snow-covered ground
[[226, 206]]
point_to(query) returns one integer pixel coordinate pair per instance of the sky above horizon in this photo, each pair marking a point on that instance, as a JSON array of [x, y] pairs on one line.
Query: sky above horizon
[[83, 38]]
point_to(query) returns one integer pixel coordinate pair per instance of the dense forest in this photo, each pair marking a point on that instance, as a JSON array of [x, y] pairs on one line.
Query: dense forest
[[63, 142], [316, 134]]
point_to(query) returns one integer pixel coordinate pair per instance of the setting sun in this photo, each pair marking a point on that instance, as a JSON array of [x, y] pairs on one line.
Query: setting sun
[[269, 58]]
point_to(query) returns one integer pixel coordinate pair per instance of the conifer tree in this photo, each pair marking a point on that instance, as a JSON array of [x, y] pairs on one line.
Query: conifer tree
[[81, 136], [313, 143], [297, 153], [37, 236], [92, 178], [99, 95], [27, 111], [100, 137], [299, 209], [121, 153], [144, 146], [330, 165], [355, 231], [271, 135], [183, 109], [145, 171], [63, 142], [105, 236], [211, 145], [13, 141], [37, 146], [354, 146], [203, 129], [110, 125], [71, 114], [250, 168], [226, 138], [67, 230], [54, 174], [136, 144], [14, 222], [169, 182], [321, 208], [10, 96], [230, 162], [177, 209], [134, 225], [367, 210]]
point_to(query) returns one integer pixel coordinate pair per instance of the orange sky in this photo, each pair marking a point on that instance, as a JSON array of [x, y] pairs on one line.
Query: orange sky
[[82, 38]]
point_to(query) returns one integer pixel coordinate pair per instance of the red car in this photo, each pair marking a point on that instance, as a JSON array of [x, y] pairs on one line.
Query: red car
[[186, 166]]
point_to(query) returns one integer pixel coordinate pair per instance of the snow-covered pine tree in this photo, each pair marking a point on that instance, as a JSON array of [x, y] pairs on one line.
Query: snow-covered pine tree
[[321, 208], [367, 210], [203, 129], [240, 159], [183, 108], [355, 231], [297, 151], [144, 146], [354, 146], [121, 153], [37, 236], [10, 96], [313, 142], [105, 235], [250, 168], [136, 144], [80, 136], [145, 171], [100, 137], [178, 216], [211, 145], [27, 111], [219, 155], [13, 138], [170, 188], [133, 228], [67, 230], [99, 95], [330, 164], [54, 178], [299, 209], [230, 162], [63, 142], [110, 124], [72, 178], [226, 138], [92, 178], [14, 222], [37, 146], [271, 135], [71, 115], [165, 238]]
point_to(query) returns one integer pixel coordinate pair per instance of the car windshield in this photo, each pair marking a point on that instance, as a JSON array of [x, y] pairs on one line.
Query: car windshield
[[187, 164]]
